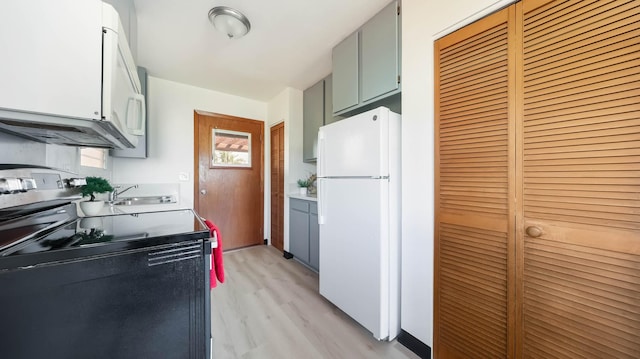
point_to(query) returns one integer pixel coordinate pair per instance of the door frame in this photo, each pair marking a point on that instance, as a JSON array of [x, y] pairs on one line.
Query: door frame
[[196, 158]]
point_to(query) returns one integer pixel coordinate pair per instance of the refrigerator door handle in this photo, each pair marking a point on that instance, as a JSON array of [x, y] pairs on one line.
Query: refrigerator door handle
[[321, 156], [321, 200]]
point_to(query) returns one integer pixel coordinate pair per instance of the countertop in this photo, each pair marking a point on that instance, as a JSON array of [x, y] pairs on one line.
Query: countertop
[[303, 197]]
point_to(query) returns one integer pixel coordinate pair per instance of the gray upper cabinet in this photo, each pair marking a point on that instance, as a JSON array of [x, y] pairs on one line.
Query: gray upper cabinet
[[316, 112], [313, 118], [328, 101], [366, 65], [345, 64], [379, 51]]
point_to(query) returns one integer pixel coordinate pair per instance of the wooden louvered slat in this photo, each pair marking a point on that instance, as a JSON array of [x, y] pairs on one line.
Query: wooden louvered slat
[[570, 29], [616, 54], [473, 265], [594, 295], [583, 132], [586, 192], [472, 190], [459, 95], [465, 67], [580, 135], [602, 119]]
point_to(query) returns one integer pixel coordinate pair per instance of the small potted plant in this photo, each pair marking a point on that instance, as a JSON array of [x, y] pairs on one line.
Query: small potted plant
[[94, 186], [304, 185]]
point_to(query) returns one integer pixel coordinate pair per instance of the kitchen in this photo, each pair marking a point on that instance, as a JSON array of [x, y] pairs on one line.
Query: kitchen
[[172, 104], [167, 101]]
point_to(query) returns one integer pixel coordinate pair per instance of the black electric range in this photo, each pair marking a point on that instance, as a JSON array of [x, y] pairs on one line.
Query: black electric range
[[58, 234], [118, 286]]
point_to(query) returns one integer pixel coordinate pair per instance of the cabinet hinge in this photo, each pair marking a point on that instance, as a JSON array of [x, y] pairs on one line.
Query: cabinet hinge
[[398, 78]]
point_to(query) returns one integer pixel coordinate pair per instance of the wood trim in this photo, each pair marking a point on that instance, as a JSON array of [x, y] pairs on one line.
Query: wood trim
[[518, 283], [514, 110]]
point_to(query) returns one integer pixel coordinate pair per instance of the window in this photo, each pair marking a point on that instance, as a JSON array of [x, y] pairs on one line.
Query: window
[[93, 157], [231, 148]]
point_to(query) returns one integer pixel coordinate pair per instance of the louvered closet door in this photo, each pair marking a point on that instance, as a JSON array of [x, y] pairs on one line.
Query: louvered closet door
[[581, 179], [472, 190]]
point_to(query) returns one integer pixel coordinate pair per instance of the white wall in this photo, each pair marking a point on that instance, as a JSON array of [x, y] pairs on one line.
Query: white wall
[[170, 136], [421, 21], [286, 107]]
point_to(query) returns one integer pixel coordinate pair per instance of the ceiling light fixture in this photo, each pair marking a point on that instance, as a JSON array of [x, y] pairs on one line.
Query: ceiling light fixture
[[230, 21]]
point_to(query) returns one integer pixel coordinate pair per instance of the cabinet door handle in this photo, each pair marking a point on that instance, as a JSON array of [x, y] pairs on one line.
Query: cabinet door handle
[[203, 191], [533, 231]]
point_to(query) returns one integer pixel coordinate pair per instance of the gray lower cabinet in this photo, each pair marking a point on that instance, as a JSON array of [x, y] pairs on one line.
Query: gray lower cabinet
[[366, 65], [314, 237], [316, 112], [304, 236]]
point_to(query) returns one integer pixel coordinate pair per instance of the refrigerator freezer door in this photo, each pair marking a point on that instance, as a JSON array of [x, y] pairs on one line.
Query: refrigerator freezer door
[[356, 146], [354, 253]]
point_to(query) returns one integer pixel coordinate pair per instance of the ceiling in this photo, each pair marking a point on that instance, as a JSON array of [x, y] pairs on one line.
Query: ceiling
[[289, 43]]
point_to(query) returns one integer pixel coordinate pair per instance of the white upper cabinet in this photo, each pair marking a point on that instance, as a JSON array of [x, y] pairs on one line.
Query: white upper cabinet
[[40, 73]]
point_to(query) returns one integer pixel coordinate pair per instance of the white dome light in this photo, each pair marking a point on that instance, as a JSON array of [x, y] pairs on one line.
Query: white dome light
[[230, 21]]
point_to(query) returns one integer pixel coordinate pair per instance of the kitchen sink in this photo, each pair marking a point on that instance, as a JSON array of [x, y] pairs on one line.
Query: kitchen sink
[[135, 201]]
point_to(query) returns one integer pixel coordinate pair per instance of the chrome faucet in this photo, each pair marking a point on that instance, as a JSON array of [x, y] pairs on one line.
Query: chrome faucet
[[113, 195]]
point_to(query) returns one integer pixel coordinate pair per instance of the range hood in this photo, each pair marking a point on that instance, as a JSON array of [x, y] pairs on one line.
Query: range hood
[[64, 131]]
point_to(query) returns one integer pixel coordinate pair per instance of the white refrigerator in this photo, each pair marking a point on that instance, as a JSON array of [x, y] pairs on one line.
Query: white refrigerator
[[359, 218]]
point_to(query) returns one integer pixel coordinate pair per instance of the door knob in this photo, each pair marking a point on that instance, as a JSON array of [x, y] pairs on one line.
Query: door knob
[[203, 191], [533, 231]]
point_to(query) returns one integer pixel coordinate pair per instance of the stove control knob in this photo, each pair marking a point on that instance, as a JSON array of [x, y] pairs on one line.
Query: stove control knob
[[4, 187], [10, 185], [76, 182], [28, 184]]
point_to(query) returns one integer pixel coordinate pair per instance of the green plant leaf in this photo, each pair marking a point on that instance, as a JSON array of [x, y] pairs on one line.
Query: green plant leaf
[[95, 185]]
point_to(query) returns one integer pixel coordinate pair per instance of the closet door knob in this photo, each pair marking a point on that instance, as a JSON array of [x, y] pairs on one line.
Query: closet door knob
[[203, 191], [534, 231]]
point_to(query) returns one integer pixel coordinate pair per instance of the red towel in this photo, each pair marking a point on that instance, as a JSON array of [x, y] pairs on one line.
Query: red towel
[[217, 265]]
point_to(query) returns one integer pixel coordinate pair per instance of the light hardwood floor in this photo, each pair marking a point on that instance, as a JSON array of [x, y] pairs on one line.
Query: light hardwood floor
[[269, 307]]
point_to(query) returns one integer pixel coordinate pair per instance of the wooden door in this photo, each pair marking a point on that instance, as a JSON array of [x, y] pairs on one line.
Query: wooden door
[[570, 170], [277, 186], [474, 191], [579, 221], [228, 186]]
